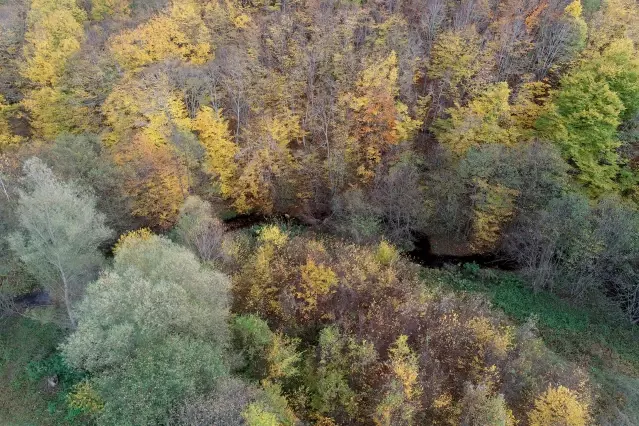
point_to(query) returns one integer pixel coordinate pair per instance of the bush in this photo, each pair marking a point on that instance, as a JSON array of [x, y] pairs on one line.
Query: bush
[[558, 406]]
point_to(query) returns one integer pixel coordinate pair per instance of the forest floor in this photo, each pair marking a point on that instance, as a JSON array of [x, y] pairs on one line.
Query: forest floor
[[25, 399]]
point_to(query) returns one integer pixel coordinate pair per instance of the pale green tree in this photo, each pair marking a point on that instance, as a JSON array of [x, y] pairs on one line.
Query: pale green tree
[[151, 331], [59, 234]]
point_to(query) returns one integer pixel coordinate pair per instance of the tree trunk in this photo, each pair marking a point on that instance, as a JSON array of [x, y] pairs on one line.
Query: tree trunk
[[67, 297]]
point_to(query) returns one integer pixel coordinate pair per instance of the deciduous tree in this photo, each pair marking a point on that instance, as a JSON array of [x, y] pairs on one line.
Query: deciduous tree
[[151, 331], [60, 234]]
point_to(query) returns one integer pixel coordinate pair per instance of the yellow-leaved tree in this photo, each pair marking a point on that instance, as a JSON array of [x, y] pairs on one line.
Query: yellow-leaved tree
[[558, 406], [55, 32], [317, 281], [179, 33], [101, 9], [486, 119], [493, 207], [148, 104], [378, 119], [156, 185], [266, 163], [256, 287], [402, 397], [220, 149], [455, 60]]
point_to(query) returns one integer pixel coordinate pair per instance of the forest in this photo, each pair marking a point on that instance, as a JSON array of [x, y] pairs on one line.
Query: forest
[[319, 212]]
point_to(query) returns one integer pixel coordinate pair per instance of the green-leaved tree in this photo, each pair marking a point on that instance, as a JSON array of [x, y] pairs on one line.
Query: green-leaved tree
[[151, 331], [59, 234]]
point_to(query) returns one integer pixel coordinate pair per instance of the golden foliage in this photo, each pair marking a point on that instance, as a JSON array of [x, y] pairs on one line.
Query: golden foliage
[[272, 234], [256, 285], [486, 119], [156, 184], [455, 59], [282, 358], [380, 120], [405, 366], [493, 207], [179, 34], [131, 238], [55, 31], [529, 105], [267, 162], [316, 281], [52, 112], [256, 415], [220, 149], [558, 406], [400, 401], [616, 19], [84, 398], [149, 105], [386, 253], [101, 9]]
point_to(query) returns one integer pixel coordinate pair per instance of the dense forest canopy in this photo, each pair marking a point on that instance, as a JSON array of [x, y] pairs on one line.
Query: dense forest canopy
[[211, 212]]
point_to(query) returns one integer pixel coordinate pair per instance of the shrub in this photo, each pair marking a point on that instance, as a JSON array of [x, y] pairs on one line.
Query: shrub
[[558, 406]]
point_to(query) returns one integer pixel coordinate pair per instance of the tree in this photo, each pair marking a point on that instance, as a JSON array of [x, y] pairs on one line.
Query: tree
[[455, 60], [223, 407], [146, 103], [379, 119], [486, 119], [84, 159], [558, 247], [559, 406], [481, 408], [268, 355], [267, 164], [151, 331], [493, 206], [618, 65], [271, 408], [342, 364], [153, 181], [101, 9], [399, 405], [316, 282], [561, 35], [60, 234], [178, 34], [220, 149], [197, 229], [583, 121], [617, 230], [55, 32]]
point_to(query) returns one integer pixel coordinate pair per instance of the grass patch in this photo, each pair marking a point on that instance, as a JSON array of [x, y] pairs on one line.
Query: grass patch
[[27, 356]]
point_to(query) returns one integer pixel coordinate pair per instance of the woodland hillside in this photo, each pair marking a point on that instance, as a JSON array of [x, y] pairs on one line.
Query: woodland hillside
[[319, 212]]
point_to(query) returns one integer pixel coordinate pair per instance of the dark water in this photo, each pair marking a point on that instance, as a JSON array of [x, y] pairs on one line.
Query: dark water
[[423, 254], [37, 298], [246, 221], [250, 220]]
